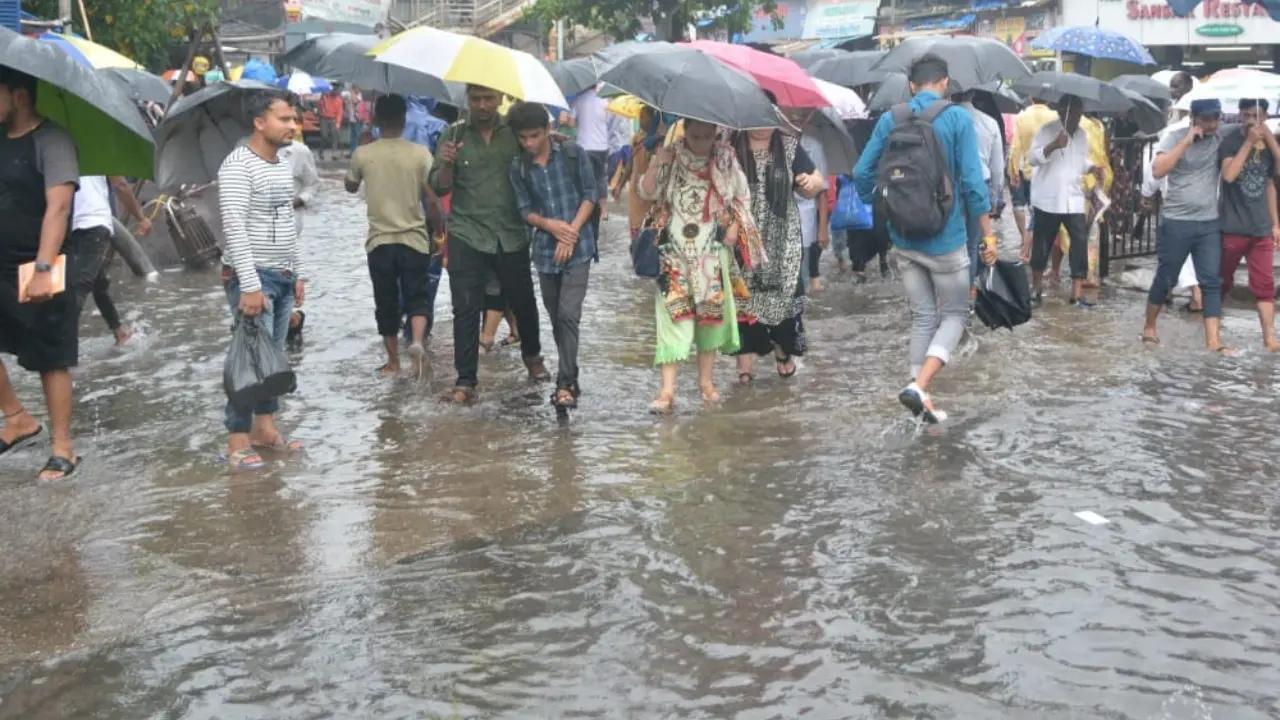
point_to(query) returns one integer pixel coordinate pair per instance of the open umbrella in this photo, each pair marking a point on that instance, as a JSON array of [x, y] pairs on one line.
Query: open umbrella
[[1231, 89], [971, 61], [692, 84], [1182, 8], [788, 82], [609, 56], [1149, 117], [893, 89], [808, 58], [827, 127], [1149, 88], [141, 85], [573, 76], [303, 83], [201, 129], [343, 58], [452, 57], [1094, 41], [110, 135], [1007, 101], [850, 69], [1098, 96], [843, 100]]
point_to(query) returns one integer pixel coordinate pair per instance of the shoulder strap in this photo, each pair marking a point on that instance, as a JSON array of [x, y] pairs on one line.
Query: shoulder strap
[[934, 110], [901, 113]]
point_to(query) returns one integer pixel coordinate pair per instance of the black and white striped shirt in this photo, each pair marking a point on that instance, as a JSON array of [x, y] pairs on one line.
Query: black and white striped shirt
[[256, 198]]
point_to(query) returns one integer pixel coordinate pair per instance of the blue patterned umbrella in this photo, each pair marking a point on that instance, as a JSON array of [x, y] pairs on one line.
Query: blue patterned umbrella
[[1183, 8], [1094, 42]]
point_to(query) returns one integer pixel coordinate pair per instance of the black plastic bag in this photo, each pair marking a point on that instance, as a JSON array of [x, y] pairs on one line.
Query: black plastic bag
[[256, 369], [1004, 295]]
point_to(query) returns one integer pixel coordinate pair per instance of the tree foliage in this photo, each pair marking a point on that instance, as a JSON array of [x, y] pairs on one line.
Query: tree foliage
[[623, 18], [143, 30]]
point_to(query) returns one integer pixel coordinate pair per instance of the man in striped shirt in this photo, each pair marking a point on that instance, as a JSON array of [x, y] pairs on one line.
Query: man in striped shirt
[[262, 266]]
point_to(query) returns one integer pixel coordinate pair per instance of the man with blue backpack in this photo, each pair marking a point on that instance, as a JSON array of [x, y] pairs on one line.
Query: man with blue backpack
[[921, 170]]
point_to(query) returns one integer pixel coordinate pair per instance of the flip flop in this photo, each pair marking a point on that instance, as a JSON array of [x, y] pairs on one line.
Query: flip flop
[[571, 403], [285, 445], [460, 395], [21, 441], [782, 362], [746, 378], [246, 459], [67, 467]]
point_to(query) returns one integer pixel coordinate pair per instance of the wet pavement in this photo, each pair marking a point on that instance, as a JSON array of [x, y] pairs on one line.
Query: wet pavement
[[799, 552]]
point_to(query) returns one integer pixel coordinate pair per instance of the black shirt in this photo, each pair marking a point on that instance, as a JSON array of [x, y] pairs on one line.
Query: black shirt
[[40, 159], [1242, 205]]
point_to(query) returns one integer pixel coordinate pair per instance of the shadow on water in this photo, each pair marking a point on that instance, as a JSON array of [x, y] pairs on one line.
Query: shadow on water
[[800, 551]]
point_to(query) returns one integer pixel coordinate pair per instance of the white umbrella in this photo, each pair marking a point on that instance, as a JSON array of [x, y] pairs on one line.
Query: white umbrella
[[845, 101], [1232, 88], [302, 83]]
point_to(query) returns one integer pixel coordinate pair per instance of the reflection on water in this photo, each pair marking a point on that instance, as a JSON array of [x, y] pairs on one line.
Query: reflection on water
[[798, 552]]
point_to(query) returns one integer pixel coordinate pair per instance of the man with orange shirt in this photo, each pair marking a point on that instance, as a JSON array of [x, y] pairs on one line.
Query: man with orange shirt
[[331, 113]]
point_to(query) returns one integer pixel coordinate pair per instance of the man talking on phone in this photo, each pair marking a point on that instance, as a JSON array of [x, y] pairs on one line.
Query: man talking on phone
[[1189, 218], [38, 178]]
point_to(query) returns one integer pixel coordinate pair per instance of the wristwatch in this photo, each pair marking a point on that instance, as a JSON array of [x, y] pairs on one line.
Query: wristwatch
[[43, 267]]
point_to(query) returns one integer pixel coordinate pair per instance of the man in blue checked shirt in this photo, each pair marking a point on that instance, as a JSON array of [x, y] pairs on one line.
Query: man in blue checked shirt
[[556, 193]]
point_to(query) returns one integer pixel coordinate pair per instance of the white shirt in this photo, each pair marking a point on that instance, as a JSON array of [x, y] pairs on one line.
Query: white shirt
[[808, 207], [591, 112], [1057, 186], [990, 150], [92, 204], [306, 180], [256, 200]]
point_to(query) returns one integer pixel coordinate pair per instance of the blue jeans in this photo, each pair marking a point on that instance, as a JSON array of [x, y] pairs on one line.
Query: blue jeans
[[277, 286], [356, 129], [1202, 240]]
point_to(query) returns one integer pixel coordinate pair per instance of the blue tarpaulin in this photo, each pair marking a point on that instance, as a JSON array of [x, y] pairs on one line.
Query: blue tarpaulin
[[10, 13], [956, 23]]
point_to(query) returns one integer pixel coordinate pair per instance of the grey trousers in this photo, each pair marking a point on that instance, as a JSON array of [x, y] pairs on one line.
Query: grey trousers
[[562, 295], [938, 292]]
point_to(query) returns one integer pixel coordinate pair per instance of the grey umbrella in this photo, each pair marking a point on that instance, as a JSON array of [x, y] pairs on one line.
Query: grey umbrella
[[971, 61], [201, 129], [1051, 86], [851, 69], [895, 89], [110, 135], [837, 145], [1007, 101], [608, 57], [141, 85], [1153, 90], [1149, 117], [342, 57], [692, 84], [573, 76], [808, 58]]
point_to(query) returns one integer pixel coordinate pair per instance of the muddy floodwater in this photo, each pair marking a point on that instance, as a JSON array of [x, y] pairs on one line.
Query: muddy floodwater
[[799, 552]]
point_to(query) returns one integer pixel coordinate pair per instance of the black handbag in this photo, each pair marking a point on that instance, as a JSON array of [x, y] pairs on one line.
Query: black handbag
[[645, 258]]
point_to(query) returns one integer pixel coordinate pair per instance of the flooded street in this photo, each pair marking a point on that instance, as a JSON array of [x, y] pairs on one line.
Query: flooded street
[[799, 552]]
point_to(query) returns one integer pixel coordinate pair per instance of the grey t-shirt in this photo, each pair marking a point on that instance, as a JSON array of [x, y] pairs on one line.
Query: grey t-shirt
[[1193, 183]]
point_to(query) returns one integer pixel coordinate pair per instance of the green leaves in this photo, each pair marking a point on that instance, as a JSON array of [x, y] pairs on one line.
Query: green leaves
[[143, 30]]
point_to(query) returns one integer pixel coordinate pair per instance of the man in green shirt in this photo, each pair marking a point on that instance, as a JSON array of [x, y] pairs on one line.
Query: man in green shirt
[[487, 237]]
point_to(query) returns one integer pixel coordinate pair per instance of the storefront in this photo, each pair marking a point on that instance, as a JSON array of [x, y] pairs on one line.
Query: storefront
[[1217, 34], [822, 22]]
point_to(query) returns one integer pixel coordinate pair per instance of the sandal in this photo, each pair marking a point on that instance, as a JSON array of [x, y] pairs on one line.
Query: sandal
[[246, 459], [537, 370], [21, 441], [509, 340], [783, 362], [62, 465], [281, 444], [460, 395], [564, 399], [746, 378]]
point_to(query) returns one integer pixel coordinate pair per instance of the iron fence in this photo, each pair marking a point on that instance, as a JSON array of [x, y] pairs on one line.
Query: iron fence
[[1132, 225]]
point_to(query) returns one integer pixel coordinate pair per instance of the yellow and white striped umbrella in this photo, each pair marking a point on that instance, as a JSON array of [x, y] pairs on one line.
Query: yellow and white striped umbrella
[[468, 59]]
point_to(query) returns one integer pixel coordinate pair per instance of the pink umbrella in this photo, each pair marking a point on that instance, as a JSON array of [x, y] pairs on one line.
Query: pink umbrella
[[788, 82]]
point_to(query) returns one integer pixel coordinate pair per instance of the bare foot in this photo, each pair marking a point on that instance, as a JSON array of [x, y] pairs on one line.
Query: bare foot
[[710, 395], [664, 405], [123, 334], [1224, 350], [390, 369], [815, 285], [1273, 346]]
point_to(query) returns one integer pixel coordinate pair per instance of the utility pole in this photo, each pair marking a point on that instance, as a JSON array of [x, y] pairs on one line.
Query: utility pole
[[64, 10], [560, 39]]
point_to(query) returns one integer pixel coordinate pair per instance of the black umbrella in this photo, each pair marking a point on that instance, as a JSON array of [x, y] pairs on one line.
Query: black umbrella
[[893, 89], [342, 57], [971, 61], [837, 144], [201, 129], [1004, 295], [1052, 86], [808, 58], [573, 76], [1148, 116], [851, 69], [141, 85], [1007, 101], [609, 57], [692, 84], [1153, 90], [110, 135]]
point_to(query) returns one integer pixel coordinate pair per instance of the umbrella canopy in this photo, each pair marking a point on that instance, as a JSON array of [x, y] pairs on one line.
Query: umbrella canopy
[[971, 61], [467, 59], [1098, 96], [838, 147], [110, 135], [844, 101], [344, 58], [1149, 117], [893, 89], [808, 58], [1150, 88], [789, 83], [608, 57], [89, 54], [141, 85], [1182, 8], [1007, 101], [573, 76], [850, 69], [303, 83], [692, 84], [1231, 89], [201, 129], [1004, 295], [1093, 41]]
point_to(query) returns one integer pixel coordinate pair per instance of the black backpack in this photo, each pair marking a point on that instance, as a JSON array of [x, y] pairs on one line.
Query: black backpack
[[914, 175]]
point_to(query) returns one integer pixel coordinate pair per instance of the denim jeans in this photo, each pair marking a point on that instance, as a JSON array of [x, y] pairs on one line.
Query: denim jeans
[[1202, 240], [277, 286], [938, 292]]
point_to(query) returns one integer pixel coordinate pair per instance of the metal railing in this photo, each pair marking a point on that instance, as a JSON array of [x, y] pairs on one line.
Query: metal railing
[[1132, 226], [478, 17]]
